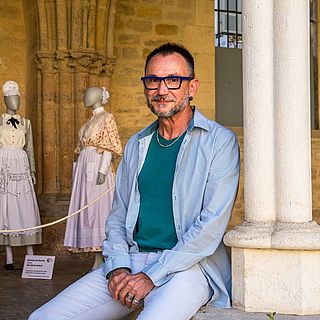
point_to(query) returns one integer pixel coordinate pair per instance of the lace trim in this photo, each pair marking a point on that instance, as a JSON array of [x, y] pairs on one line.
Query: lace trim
[[7, 177], [17, 234]]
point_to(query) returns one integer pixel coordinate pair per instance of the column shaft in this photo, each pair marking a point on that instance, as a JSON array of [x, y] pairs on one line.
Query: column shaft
[[258, 110], [292, 111], [49, 133]]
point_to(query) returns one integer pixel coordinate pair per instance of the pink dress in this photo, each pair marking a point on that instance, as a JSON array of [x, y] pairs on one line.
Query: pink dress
[[98, 141]]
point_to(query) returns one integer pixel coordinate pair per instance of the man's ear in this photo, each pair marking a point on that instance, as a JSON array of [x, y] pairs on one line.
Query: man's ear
[[193, 87]]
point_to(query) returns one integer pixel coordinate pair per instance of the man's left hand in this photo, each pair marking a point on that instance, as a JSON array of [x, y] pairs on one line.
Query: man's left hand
[[137, 288]]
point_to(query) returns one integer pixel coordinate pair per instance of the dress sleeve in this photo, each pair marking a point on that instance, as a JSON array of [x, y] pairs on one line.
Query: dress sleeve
[[28, 147], [110, 137]]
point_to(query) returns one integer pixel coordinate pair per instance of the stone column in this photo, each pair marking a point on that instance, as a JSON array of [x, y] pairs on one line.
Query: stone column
[[292, 110], [48, 122], [66, 143], [276, 252], [258, 126]]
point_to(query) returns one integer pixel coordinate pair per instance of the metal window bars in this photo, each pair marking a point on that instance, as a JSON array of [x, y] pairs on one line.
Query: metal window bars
[[228, 30]]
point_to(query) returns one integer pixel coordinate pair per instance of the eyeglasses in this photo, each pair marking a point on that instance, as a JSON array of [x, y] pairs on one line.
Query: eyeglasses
[[172, 82]]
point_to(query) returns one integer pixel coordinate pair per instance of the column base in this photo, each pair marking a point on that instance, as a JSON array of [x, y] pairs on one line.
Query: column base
[[275, 267]]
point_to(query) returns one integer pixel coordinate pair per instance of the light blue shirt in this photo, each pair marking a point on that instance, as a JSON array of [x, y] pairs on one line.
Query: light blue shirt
[[204, 189]]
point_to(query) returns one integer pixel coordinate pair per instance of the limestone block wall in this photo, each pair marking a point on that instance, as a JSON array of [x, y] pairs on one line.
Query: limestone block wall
[[237, 217], [13, 48], [315, 158], [18, 45]]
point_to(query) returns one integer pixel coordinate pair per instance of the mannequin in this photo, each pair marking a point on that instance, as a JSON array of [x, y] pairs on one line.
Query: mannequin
[[93, 174], [18, 204]]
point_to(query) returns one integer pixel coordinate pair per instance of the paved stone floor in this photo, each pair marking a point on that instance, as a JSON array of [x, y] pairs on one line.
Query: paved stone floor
[[18, 297]]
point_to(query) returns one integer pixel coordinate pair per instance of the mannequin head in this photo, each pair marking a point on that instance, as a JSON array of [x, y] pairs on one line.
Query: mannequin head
[[12, 103], [95, 97], [11, 96]]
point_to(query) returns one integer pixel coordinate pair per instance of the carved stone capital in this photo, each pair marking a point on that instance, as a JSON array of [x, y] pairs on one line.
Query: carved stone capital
[[45, 62], [75, 61]]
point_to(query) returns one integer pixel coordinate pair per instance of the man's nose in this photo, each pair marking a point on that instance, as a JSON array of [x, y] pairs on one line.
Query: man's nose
[[162, 88]]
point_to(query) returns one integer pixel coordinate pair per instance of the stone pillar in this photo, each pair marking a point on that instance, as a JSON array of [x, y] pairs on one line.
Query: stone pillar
[[292, 110], [66, 140], [276, 252], [47, 94], [257, 60]]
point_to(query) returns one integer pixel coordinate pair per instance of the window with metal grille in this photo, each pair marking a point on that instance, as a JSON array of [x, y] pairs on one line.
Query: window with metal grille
[[228, 31]]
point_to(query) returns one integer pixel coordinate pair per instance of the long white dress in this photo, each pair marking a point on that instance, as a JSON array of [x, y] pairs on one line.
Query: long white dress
[[18, 203], [98, 140]]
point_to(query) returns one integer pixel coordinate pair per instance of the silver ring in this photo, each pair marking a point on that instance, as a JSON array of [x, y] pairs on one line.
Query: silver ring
[[129, 296], [135, 301]]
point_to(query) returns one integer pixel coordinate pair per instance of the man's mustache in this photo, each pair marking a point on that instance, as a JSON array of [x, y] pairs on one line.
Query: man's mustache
[[159, 98]]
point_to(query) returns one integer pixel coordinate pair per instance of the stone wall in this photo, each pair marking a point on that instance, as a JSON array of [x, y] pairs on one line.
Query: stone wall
[[13, 48], [316, 175]]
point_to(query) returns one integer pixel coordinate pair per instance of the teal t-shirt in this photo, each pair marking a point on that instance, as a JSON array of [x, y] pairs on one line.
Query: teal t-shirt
[[155, 228]]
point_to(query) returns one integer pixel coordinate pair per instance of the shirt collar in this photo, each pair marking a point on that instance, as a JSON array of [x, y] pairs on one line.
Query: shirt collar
[[198, 120], [7, 115]]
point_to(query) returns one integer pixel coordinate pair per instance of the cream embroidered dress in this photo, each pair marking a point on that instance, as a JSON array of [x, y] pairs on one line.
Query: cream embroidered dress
[[18, 204], [98, 142]]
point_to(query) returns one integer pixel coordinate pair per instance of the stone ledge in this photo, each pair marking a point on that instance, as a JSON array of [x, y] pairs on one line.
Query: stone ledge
[[211, 313]]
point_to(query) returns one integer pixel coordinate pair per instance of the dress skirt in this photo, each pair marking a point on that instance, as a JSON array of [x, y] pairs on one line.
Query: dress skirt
[[85, 231], [18, 203]]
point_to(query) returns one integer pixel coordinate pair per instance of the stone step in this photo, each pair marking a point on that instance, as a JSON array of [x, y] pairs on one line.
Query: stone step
[[211, 313]]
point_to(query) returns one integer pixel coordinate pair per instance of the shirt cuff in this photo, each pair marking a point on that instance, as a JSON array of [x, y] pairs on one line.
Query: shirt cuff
[[111, 264], [108, 275], [157, 273]]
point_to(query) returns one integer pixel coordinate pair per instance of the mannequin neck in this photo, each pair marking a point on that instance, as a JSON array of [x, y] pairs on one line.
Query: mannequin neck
[[98, 110], [11, 112]]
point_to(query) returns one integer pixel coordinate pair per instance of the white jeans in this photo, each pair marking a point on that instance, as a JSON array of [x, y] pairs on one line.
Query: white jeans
[[89, 298]]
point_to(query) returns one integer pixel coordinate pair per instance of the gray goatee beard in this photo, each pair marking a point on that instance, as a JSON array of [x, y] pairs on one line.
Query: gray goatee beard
[[172, 111]]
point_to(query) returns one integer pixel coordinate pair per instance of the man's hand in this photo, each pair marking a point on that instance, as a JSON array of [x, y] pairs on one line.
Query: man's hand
[[137, 288], [117, 280]]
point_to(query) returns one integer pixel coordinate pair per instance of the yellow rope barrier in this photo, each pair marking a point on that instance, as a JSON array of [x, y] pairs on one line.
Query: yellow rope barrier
[[61, 219]]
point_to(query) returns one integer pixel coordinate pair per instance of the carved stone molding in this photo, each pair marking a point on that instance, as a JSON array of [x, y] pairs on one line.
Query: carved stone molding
[[75, 61]]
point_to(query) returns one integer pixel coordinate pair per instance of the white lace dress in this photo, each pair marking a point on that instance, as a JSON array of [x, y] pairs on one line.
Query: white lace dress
[[18, 204]]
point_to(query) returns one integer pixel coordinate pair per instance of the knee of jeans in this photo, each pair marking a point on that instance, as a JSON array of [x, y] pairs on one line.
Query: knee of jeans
[[33, 316], [38, 315]]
